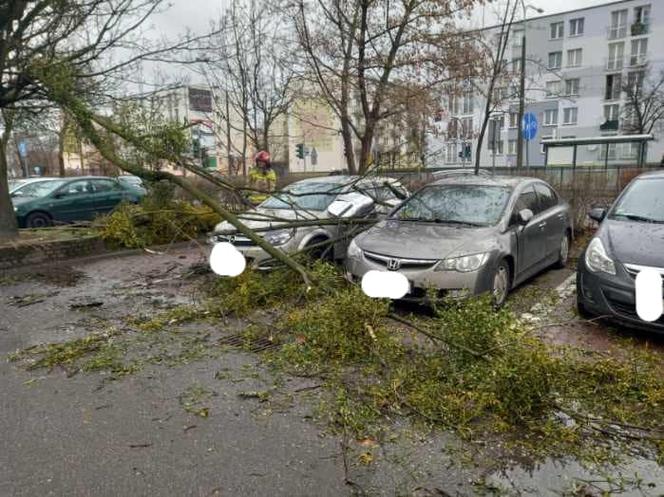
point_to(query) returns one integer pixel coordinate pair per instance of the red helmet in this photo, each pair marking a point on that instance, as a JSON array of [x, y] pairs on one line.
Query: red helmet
[[262, 156]]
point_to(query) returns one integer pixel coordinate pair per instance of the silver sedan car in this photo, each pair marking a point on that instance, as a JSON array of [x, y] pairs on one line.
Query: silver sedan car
[[310, 202], [468, 234]]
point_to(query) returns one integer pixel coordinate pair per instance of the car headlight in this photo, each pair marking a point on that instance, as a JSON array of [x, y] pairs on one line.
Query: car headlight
[[463, 264], [597, 259], [279, 237], [354, 250]]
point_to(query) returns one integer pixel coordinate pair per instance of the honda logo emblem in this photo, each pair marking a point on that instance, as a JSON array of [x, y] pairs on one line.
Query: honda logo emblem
[[393, 264]]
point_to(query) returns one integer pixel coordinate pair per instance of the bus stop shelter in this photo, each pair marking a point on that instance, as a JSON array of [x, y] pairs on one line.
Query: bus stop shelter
[[567, 151]]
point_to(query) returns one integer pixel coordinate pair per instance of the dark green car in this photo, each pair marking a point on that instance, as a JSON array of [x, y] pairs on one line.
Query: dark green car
[[71, 199]]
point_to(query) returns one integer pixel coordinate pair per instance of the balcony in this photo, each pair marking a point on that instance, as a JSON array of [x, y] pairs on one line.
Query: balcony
[[615, 64], [640, 28], [616, 32], [638, 60], [610, 125]]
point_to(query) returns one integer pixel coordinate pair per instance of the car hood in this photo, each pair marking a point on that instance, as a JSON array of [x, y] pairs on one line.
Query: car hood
[[21, 200], [274, 218], [416, 240], [634, 243]]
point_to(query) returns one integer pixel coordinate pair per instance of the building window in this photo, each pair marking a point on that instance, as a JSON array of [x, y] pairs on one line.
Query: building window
[[499, 94], [514, 120], [551, 117], [467, 128], [499, 146], [517, 38], [635, 81], [570, 115], [555, 60], [576, 27], [616, 56], [511, 147], [572, 86], [453, 104], [613, 87], [612, 112], [641, 24], [557, 30], [574, 57], [552, 89], [516, 65], [468, 102], [639, 51], [618, 26]]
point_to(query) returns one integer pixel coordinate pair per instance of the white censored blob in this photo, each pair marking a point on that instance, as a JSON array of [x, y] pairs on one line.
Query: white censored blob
[[649, 298], [226, 260], [385, 284]]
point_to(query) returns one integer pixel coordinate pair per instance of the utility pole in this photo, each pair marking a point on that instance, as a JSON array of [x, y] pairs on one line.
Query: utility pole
[[522, 96], [522, 84]]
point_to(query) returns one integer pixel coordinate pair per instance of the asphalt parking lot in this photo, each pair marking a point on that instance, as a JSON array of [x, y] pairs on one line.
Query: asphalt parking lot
[[82, 434]]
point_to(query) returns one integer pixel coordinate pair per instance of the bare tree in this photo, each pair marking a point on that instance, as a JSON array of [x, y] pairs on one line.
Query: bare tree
[[82, 44], [644, 107], [357, 50], [252, 73], [493, 70]]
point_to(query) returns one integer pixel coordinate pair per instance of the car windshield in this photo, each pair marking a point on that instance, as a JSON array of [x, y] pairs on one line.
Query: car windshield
[[38, 188], [15, 183], [641, 202], [313, 196], [473, 205]]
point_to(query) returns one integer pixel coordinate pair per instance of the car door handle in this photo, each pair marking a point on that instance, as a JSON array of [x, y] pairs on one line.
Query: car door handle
[[541, 225]]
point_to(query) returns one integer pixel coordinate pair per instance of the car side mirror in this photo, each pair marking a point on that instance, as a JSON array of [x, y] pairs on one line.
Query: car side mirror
[[59, 194], [597, 214], [525, 215], [349, 205]]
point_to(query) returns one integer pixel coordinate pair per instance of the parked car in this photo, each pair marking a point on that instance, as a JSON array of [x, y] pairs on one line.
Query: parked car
[[132, 181], [24, 186], [70, 199], [468, 234], [630, 238], [310, 200]]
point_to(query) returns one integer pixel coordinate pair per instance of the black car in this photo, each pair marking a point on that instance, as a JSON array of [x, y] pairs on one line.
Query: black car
[[630, 238]]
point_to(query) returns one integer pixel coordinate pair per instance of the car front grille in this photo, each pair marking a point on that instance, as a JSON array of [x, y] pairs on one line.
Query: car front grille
[[396, 263], [237, 240], [629, 310]]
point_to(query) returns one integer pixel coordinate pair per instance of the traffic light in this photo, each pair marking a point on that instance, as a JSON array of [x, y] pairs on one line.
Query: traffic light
[[299, 150]]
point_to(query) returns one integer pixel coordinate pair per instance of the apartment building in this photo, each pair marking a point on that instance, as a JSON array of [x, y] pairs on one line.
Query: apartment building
[[577, 66]]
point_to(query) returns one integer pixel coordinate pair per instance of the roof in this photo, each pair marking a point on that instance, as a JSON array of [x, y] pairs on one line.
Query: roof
[[594, 140], [510, 181]]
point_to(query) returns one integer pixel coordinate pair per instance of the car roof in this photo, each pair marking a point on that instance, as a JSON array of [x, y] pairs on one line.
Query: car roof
[[652, 174], [508, 181], [342, 179]]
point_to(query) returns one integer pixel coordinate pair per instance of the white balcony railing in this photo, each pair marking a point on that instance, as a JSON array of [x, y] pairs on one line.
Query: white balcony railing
[[617, 32]]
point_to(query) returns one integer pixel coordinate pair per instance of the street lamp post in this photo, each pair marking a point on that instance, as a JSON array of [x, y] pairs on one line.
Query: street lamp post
[[522, 84]]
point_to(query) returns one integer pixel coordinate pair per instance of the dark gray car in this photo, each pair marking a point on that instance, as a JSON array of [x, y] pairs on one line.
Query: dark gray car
[[468, 234], [630, 238]]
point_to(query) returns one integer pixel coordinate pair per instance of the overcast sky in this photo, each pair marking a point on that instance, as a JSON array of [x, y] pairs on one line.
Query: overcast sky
[[197, 14]]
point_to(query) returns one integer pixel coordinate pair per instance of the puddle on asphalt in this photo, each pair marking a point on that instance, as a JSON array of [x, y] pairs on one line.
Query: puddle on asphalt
[[639, 477]]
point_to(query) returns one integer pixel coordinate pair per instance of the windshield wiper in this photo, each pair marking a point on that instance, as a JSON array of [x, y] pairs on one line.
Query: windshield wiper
[[456, 221], [636, 217]]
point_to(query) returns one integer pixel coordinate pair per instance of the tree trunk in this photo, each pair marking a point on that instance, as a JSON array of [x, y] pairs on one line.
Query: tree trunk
[[61, 152], [8, 226], [365, 151], [349, 151]]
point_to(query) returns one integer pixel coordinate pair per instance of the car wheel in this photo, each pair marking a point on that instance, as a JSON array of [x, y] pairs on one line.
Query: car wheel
[[563, 252], [322, 252], [38, 220], [581, 310], [501, 283]]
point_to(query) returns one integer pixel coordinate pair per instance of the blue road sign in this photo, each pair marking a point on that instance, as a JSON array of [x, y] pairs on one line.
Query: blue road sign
[[22, 149], [529, 126]]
